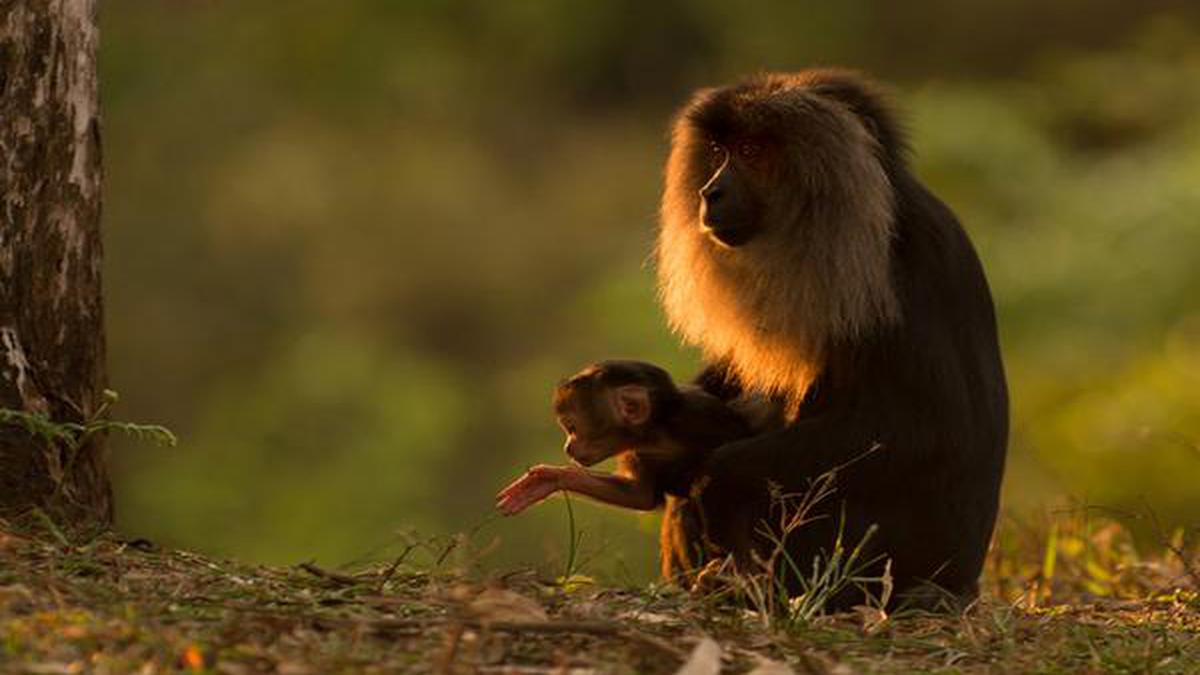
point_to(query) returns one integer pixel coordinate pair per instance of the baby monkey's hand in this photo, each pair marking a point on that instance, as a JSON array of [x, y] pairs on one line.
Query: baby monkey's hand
[[538, 483]]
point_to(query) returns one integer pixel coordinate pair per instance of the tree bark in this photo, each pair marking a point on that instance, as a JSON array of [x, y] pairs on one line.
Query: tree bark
[[51, 311]]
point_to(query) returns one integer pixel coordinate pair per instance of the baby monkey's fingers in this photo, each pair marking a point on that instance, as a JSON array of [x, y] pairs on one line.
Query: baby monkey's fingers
[[523, 483], [510, 489], [533, 487], [509, 506], [514, 503]]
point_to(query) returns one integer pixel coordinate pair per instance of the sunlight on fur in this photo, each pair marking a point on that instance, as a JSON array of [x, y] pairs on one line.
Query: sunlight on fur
[[834, 235]]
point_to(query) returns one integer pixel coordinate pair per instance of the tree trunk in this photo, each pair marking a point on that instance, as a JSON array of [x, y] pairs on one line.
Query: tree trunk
[[51, 312]]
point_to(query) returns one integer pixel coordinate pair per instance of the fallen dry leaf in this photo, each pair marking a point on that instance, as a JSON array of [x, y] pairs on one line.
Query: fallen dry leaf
[[652, 618], [704, 660], [8, 540], [503, 605], [52, 668], [192, 659], [873, 618], [768, 667]]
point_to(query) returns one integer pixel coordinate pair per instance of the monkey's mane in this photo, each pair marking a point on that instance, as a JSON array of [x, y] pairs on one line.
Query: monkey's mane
[[820, 269]]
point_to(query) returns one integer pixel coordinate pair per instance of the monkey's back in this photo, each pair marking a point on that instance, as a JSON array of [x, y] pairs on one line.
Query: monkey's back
[[699, 423], [704, 422]]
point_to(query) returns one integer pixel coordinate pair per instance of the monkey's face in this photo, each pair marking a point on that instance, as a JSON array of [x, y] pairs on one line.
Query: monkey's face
[[772, 158], [590, 440], [730, 205], [603, 422]]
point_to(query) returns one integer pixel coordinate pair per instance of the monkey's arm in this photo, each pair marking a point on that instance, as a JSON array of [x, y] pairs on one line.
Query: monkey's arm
[[630, 491], [794, 456]]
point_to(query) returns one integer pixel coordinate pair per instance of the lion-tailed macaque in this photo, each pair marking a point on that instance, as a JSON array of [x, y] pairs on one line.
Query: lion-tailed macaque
[[659, 433], [799, 250]]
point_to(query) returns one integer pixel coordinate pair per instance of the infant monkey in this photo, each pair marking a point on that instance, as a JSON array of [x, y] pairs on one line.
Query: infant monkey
[[659, 432]]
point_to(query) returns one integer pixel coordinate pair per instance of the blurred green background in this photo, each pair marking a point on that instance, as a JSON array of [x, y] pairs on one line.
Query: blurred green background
[[351, 246]]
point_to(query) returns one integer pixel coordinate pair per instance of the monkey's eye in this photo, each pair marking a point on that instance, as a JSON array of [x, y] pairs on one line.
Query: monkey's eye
[[716, 154], [749, 151]]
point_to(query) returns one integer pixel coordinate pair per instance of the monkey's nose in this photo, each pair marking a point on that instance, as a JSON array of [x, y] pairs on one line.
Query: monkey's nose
[[712, 194]]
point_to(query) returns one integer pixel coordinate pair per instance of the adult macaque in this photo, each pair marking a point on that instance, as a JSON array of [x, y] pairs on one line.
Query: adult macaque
[[799, 251]]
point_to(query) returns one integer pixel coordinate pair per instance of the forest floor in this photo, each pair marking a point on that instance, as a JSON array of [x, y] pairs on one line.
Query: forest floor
[[109, 605]]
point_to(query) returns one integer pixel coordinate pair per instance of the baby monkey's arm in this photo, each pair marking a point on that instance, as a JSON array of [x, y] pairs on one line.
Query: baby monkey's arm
[[628, 488]]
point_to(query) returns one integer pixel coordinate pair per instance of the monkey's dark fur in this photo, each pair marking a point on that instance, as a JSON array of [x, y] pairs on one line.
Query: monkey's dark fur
[[798, 250]]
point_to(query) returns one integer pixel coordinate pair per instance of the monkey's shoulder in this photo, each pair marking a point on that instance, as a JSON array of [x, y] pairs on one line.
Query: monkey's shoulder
[[703, 419], [698, 424]]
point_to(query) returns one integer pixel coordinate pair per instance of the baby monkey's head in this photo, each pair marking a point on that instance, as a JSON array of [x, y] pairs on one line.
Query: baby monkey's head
[[612, 406]]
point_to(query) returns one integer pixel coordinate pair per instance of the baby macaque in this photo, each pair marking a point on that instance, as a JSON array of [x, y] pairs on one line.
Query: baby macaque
[[660, 434]]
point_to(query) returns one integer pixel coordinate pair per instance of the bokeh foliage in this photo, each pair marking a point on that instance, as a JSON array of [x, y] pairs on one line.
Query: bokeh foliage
[[352, 245]]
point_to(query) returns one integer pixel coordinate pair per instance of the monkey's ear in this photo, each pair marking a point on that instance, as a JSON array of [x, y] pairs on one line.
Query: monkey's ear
[[633, 404]]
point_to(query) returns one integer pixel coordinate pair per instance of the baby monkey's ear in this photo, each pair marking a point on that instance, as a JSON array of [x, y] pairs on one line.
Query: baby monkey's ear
[[633, 404]]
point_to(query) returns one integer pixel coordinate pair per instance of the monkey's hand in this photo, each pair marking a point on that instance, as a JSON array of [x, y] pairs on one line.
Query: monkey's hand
[[535, 485]]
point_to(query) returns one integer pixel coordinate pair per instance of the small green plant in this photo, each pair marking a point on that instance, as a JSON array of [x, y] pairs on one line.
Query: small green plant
[[766, 588], [74, 435], [571, 578], [69, 438], [1041, 558]]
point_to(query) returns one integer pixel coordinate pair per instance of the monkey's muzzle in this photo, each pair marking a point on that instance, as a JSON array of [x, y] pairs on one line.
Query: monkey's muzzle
[[731, 235], [724, 215]]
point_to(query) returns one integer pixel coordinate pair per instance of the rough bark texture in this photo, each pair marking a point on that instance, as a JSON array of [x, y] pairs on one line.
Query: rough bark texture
[[51, 313]]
